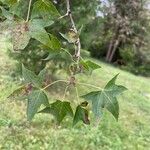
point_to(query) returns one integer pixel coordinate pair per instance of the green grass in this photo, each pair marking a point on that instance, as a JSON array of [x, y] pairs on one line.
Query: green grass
[[131, 132]]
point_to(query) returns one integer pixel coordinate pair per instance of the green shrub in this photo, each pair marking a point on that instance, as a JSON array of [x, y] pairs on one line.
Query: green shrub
[[137, 63]]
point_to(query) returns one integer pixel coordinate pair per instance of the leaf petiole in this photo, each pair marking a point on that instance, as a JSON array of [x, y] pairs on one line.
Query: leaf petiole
[[54, 83], [29, 8], [90, 85], [77, 93]]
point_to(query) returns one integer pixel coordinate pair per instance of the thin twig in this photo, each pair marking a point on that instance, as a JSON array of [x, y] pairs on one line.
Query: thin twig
[[61, 17], [54, 83], [64, 96], [29, 8], [90, 85], [70, 15], [78, 44], [77, 93]]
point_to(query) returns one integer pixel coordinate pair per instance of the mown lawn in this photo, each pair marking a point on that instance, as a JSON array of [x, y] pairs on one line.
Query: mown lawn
[[131, 132]]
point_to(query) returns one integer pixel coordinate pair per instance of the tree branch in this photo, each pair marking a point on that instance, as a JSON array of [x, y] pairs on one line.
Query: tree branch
[[78, 44]]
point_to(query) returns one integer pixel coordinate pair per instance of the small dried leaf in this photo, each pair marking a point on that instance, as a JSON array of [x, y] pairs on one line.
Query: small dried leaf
[[81, 114]]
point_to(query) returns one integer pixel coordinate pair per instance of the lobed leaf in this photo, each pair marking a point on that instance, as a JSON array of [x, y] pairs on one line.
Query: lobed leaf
[[35, 99], [18, 8], [9, 2], [31, 77], [20, 37], [97, 100], [7, 14], [44, 9], [42, 22], [42, 74], [19, 93], [89, 65], [106, 98], [59, 109], [37, 32], [55, 43], [113, 89], [18, 30]]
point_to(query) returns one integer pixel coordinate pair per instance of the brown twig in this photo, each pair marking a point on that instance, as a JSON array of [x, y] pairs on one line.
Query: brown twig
[[78, 44]]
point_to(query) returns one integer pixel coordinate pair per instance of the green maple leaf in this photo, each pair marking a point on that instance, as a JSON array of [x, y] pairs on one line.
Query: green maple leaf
[[42, 22], [31, 77], [19, 93], [59, 110], [9, 2], [7, 14], [89, 66], [106, 98], [23, 31], [35, 99], [55, 43], [37, 32], [45, 9]]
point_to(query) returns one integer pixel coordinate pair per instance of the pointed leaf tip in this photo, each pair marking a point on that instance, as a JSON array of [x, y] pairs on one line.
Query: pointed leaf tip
[[106, 98], [31, 77], [35, 99]]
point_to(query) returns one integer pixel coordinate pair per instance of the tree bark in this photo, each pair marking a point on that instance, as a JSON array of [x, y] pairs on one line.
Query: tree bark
[[109, 50], [114, 50]]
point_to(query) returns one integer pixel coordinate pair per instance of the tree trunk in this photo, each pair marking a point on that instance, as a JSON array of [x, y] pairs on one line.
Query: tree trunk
[[113, 45], [114, 50], [109, 50]]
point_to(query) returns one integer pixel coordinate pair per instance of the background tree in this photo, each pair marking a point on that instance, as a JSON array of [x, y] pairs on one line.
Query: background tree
[[125, 31]]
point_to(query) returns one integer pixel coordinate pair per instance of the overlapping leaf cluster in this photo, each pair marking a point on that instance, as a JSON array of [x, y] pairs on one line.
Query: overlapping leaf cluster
[[22, 30], [33, 89]]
